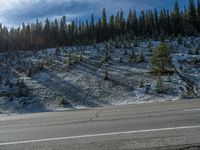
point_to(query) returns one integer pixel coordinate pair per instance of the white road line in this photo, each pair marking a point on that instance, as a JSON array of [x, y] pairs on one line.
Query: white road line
[[98, 135], [17, 125], [192, 109]]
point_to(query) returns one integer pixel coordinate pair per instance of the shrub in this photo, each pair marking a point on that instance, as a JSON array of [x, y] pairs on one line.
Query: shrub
[[29, 72], [18, 82], [120, 60], [135, 43], [70, 59], [40, 66], [133, 53], [149, 45], [141, 58], [1, 79], [7, 82], [180, 40], [58, 52], [190, 52], [195, 61], [125, 52], [10, 85], [181, 67], [169, 79], [162, 37], [48, 62], [76, 58], [196, 51], [23, 89], [130, 59], [141, 83], [81, 57], [62, 102]]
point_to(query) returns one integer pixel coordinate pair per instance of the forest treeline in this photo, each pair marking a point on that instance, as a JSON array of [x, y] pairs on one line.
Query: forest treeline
[[146, 24]]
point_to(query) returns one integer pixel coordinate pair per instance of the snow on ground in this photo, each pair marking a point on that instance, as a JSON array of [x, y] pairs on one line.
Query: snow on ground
[[53, 85]]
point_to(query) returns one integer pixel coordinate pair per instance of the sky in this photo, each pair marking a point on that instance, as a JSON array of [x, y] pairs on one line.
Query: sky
[[14, 12]]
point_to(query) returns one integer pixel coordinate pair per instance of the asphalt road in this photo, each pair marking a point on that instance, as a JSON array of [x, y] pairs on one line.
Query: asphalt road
[[168, 125]]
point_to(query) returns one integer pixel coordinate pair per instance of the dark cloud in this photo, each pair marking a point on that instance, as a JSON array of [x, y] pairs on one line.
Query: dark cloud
[[14, 12]]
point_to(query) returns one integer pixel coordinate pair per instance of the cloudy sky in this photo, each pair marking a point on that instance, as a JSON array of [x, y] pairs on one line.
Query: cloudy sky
[[14, 12]]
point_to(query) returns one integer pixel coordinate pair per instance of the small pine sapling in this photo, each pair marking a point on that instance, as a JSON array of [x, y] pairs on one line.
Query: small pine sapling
[[196, 51], [106, 76], [141, 83], [107, 55], [29, 72], [190, 52], [125, 52], [7, 82], [120, 60], [81, 57], [169, 79], [179, 40], [1, 79], [70, 59]]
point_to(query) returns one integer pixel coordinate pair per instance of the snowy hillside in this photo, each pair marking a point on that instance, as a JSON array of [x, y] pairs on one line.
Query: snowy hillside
[[82, 77]]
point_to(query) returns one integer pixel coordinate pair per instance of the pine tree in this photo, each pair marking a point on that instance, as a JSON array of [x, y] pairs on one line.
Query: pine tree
[[122, 23], [104, 24], [112, 27], [147, 24], [92, 27], [63, 27], [198, 12], [47, 33], [134, 25], [55, 31], [157, 32], [161, 60], [193, 15], [176, 19], [129, 21]]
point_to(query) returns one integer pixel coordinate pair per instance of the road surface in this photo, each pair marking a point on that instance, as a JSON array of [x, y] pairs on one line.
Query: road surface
[[167, 125]]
